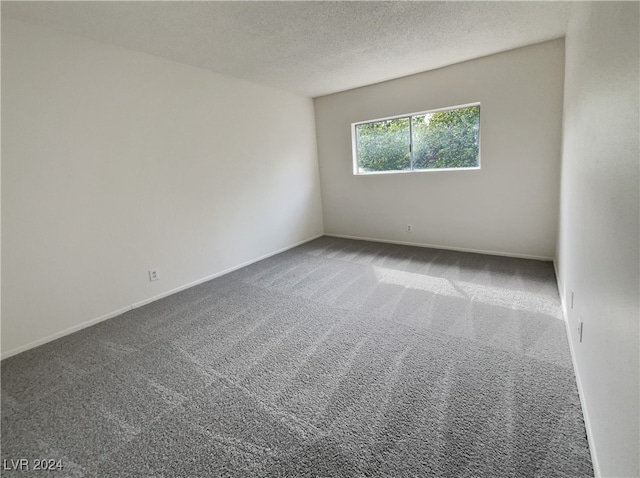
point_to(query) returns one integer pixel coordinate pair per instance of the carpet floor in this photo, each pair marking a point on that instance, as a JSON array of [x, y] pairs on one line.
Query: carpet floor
[[338, 358]]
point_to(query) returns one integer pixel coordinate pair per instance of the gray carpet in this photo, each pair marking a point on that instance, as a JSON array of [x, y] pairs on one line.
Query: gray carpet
[[338, 358]]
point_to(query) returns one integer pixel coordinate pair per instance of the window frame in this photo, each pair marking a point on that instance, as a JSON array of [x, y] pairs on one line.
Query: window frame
[[409, 116]]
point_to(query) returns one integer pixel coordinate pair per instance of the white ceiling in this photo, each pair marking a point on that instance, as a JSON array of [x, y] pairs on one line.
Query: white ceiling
[[313, 48]]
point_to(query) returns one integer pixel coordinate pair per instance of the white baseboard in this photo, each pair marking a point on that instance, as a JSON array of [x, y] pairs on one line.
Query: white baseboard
[[448, 248], [62, 333], [218, 274], [89, 323], [576, 371]]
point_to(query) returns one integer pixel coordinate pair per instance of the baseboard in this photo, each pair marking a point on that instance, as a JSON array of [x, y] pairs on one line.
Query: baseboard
[[221, 273], [576, 371], [110, 315], [448, 248], [62, 333]]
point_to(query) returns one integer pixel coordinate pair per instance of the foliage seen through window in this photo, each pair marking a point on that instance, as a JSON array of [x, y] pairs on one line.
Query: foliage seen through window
[[432, 140]]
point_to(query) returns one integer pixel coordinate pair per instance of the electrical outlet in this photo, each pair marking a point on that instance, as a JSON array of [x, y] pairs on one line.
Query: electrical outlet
[[580, 328], [409, 228], [154, 275]]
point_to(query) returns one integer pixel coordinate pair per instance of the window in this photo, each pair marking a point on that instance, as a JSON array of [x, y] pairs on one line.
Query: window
[[438, 139]]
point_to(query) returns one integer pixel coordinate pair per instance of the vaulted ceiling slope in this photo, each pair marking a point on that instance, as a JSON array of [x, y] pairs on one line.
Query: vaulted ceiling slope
[[312, 47]]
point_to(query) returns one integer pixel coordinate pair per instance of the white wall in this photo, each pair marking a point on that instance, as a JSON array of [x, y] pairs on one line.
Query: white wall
[[509, 206], [598, 246], [115, 162]]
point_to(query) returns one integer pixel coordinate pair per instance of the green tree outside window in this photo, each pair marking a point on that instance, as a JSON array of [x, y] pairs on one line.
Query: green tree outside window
[[442, 139]]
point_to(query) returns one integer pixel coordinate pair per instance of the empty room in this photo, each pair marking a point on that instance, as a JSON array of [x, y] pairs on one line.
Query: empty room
[[320, 239]]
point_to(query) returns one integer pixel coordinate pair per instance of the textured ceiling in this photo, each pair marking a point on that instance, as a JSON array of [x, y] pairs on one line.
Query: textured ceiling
[[312, 48]]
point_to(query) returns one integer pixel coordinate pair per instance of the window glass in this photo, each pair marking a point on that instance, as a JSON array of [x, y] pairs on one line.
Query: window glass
[[383, 145], [441, 139], [446, 139]]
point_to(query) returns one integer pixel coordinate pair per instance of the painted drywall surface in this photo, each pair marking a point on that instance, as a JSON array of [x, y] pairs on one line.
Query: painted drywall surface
[[508, 206], [115, 162], [598, 245]]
